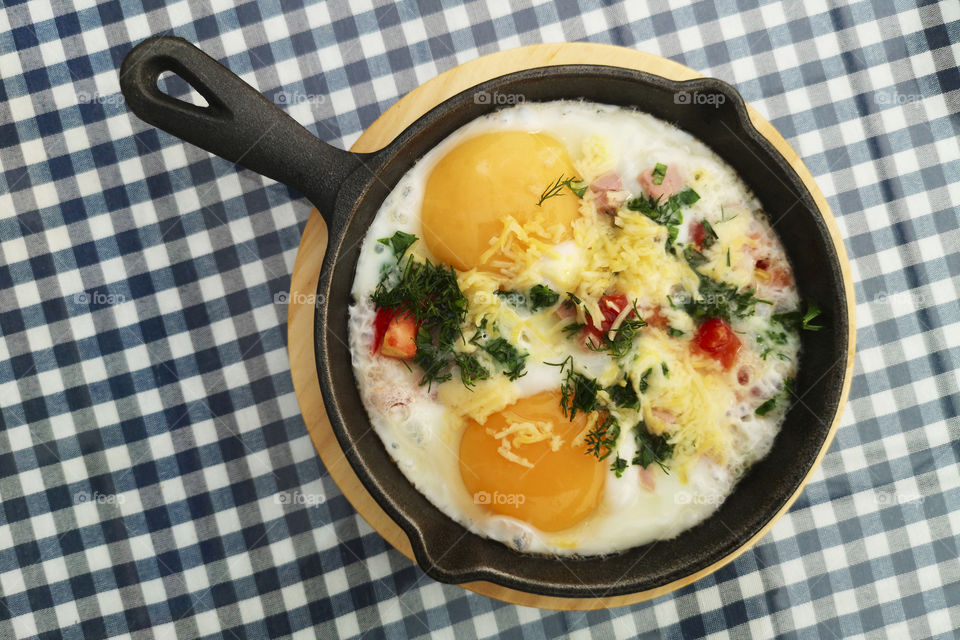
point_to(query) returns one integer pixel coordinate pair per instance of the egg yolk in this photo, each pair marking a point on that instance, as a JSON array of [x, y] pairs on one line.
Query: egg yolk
[[562, 487], [485, 178]]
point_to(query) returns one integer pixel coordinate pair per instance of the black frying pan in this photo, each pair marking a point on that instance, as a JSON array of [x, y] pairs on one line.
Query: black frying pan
[[244, 127]]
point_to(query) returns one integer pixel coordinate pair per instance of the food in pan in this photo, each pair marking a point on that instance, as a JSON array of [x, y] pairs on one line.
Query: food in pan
[[574, 328]]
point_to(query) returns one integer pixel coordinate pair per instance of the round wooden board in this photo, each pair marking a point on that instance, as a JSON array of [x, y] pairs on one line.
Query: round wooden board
[[313, 244]]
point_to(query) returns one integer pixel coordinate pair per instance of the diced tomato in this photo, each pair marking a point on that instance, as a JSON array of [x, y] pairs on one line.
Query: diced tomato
[[380, 323], [610, 307], [697, 233], [399, 341], [716, 339], [395, 333]]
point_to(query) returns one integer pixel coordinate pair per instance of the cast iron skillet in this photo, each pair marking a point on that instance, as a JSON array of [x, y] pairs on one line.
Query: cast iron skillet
[[246, 128]]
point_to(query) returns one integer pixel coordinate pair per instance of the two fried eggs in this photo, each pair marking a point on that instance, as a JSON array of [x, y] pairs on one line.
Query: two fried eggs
[[503, 457]]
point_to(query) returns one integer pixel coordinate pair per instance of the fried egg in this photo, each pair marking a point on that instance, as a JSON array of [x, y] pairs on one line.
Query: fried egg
[[574, 328]]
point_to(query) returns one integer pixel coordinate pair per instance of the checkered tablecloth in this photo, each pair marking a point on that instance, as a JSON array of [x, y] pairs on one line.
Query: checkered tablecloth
[[156, 478]]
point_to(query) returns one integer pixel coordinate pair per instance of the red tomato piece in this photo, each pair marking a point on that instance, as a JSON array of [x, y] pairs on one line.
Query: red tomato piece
[[698, 234], [394, 333], [716, 339], [610, 307], [399, 340]]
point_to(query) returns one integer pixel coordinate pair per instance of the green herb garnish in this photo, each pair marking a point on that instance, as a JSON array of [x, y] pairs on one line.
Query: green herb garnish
[[542, 296], [711, 235], [470, 369], [618, 466], [665, 369], [659, 172], [399, 242], [431, 294], [602, 438], [577, 392], [768, 405], [643, 385], [624, 395], [509, 356], [556, 189], [721, 300], [794, 320], [674, 333], [651, 448], [667, 214]]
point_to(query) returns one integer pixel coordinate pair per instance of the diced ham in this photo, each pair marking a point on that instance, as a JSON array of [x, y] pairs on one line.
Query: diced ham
[[672, 183], [609, 193], [647, 479]]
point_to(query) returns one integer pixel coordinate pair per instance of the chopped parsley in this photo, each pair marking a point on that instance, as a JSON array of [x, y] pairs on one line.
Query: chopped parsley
[[512, 360], [659, 173], [542, 296], [722, 300], [644, 384], [618, 466], [770, 404], [667, 214], [651, 448], [694, 257], [624, 395], [796, 320], [665, 369], [399, 242], [674, 333], [711, 235]]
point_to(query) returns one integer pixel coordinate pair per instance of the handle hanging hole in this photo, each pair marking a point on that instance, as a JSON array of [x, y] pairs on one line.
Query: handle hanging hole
[[176, 87]]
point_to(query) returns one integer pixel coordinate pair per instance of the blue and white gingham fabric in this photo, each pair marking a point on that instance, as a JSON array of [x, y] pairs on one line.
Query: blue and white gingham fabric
[[156, 478]]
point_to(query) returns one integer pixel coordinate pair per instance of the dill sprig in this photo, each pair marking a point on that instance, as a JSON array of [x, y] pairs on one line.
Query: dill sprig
[[556, 189], [601, 440], [577, 392]]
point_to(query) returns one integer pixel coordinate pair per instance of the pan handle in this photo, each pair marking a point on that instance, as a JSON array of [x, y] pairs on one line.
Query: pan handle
[[240, 124]]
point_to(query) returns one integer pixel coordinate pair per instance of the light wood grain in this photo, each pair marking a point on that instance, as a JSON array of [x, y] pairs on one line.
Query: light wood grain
[[313, 245]]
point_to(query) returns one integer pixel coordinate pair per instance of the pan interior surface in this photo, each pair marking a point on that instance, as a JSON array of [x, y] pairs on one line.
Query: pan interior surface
[[714, 113]]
